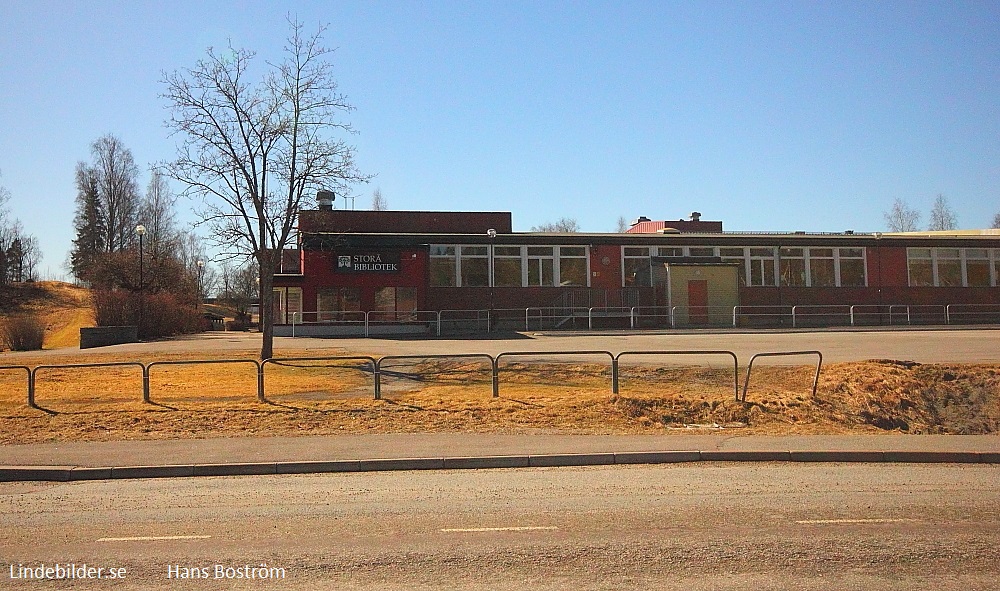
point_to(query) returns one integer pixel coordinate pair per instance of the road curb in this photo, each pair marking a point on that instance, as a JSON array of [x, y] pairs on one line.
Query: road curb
[[79, 473]]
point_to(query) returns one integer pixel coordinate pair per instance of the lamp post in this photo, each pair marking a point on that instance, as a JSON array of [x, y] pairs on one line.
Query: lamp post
[[141, 231], [489, 317]]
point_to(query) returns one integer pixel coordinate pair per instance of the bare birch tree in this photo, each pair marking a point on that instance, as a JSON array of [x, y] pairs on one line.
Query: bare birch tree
[[253, 149], [942, 216], [116, 176], [156, 213], [902, 218], [378, 201]]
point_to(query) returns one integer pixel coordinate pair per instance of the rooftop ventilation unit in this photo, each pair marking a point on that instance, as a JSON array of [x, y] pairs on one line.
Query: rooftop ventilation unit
[[324, 199]]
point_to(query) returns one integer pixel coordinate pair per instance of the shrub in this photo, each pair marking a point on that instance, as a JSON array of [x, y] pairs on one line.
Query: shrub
[[163, 314], [22, 333]]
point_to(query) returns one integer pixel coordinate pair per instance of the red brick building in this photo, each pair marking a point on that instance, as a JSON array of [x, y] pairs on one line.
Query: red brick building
[[408, 266]]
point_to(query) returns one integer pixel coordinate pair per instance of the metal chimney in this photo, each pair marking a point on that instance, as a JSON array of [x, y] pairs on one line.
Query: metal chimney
[[695, 216], [324, 200]]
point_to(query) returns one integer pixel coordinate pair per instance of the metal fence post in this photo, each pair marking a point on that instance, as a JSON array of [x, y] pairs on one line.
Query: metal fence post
[[439, 323], [378, 379], [614, 375], [496, 377], [31, 389], [260, 381], [947, 314], [145, 383]]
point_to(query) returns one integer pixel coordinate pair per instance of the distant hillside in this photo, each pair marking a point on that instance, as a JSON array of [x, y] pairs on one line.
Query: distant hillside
[[63, 307]]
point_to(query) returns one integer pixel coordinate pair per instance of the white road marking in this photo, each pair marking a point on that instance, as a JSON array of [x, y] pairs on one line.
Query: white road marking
[[153, 538], [849, 521], [484, 529]]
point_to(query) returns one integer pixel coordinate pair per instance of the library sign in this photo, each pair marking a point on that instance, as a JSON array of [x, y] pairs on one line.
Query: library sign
[[368, 262]]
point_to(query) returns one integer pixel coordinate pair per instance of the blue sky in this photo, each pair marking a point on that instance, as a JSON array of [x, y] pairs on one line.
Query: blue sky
[[775, 116]]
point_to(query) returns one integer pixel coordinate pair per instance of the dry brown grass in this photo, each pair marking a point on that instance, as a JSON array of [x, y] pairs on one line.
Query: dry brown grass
[[455, 396], [63, 308]]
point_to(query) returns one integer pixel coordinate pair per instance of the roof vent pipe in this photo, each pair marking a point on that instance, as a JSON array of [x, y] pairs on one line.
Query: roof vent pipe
[[324, 200]]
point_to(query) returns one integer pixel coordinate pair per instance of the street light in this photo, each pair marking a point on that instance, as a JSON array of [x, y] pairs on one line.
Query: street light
[[141, 231], [489, 317]]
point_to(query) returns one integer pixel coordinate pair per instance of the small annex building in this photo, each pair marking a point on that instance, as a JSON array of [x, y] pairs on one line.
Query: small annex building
[[419, 271]]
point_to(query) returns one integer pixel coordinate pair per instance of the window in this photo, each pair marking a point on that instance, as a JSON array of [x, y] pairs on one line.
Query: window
[[541, 266], [852, 267], [670, 251], [573, 266], [949, 267], [474, 265], [822, 270], [977, 267], [706, 251], [507, 266], [920, 265], [635, 266], [444, 265], [996, 267], [762, 266], [398, 303], [793, 267], [331, 303], [736, 255]]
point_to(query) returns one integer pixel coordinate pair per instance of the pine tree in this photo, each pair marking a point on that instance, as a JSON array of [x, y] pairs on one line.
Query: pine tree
[[89, 224]]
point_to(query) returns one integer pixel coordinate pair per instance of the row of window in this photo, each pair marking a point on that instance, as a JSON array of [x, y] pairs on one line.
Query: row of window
[[953, 267], [762, 266], [513, 266]]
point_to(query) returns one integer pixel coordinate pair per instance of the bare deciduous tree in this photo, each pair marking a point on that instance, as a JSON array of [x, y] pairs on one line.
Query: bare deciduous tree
[[902, 218], [378, 201], [116, 177], [254, 149], [621, 226], [942, 216], [156, 213], [562, 225], [996, 221]]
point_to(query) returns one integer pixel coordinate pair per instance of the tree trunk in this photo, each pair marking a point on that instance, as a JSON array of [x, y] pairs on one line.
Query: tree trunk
[[266, 297]]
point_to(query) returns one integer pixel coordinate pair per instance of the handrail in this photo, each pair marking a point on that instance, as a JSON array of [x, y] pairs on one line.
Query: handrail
[[378, 367], [736, 365], [30, 391], [34, 374], [496, 362], [819, 364], [257, 364], [281, 360]]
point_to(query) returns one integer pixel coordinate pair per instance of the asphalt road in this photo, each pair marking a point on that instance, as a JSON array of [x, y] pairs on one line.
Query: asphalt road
[[710, 526], [963, 345]]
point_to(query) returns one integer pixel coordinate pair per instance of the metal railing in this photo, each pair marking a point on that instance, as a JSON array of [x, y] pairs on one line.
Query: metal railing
[[496, 362], [286, 361], [34, 375], [377, 369], [441, 322], [29, 389], [149, 366], [819, 364], [736, 365]]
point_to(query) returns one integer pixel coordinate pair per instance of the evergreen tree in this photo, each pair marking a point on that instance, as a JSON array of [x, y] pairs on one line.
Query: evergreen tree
[[89, 224]]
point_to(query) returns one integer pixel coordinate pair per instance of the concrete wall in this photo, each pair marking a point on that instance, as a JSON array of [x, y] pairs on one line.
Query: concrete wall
[[104, 336]]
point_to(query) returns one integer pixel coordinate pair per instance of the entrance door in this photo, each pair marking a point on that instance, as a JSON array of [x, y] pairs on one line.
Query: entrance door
[[698, 301]]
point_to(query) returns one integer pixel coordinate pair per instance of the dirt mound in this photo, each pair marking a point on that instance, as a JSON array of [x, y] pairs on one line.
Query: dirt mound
[[63, 308]]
